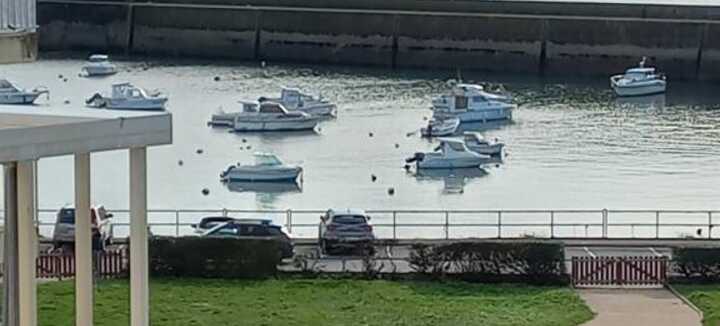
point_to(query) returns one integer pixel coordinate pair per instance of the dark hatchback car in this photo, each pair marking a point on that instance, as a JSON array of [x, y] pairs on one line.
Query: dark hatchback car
[[240, 228]]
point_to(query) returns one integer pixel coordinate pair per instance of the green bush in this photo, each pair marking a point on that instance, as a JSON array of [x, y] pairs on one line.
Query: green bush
[[214, 257], [533, 261], [697, 262]]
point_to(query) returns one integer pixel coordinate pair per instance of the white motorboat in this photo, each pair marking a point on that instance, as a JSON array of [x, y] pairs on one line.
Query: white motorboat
[[471, 103], [639, 81], [270, 116], [440, 127], [452, 153], [294, 99], [478, 144], [267, 168], [99, 65], [13, 94], [125, 96]]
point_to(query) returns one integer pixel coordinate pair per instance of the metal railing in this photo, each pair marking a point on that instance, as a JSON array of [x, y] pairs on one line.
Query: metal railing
[[449, 224]]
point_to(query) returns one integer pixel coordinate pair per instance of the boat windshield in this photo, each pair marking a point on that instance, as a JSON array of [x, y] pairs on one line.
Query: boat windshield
[[6, 84], [271, 108], [267, 159], [98, 58], [456, 146]]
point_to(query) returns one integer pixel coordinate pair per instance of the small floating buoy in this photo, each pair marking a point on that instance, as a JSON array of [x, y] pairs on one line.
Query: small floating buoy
[[180, 162], [370, 134], [60, 76], [244, 140], [199, 151], [425, 118], [391, 191], [407, 167], [206, 191], [397, 145], [66, 101], [373, 177], [65, 80], [248, 147], [497, 165], [217, 78], [262, 64]]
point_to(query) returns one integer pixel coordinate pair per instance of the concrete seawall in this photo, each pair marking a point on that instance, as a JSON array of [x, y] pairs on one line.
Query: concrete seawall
[[537, 37]]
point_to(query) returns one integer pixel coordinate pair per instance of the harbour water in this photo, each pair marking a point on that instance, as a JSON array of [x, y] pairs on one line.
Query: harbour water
[[571, 145]]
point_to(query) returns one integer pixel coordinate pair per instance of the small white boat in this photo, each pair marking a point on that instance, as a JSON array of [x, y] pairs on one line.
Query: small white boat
[[267, 168], [294, 99], [471, 103], [99, 65], [125, 96], [13, 94], [478, 144], [440, 127], [270, 116], [639, 81], [451, 154]]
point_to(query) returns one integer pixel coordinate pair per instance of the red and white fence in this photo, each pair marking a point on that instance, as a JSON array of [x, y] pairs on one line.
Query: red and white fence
[[619, 271], [106, 264]]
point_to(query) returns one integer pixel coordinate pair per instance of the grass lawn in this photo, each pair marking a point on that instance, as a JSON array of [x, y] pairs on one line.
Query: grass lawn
[[177, 302], [705, 297]]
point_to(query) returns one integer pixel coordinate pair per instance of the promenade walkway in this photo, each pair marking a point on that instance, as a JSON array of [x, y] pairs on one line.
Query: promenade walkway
[[638, 307]]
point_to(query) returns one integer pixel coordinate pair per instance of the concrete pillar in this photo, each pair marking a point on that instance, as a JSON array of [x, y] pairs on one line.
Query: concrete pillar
[[10, 256], [83, 243], [139, 281], [27, 243]]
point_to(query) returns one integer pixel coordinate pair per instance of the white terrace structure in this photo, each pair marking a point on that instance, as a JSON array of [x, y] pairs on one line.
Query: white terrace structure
[[28, 134]]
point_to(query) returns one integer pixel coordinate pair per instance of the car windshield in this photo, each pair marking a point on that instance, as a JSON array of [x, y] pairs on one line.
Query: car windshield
[[67, 215], [349, 219]]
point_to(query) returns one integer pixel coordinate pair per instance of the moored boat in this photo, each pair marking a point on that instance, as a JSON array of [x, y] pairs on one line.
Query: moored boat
[[294, 99], [13, 94], [471, 103], [270, 116], [478, 144], [639, 81], [451, 153], [99, 65], [126, 96], [267, 168]]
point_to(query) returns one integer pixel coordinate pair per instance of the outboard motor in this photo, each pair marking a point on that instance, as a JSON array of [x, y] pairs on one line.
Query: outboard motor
[[417, 157], [226, 172], [96, 100]]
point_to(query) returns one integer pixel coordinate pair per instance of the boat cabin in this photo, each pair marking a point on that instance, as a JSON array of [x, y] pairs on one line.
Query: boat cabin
[[267, 159], [449, 145], [475, 138], [467, 95], [127, 91], [640, 73], [7, 87]]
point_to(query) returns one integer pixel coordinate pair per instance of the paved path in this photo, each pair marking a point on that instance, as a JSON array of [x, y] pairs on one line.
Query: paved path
[[646, 307]]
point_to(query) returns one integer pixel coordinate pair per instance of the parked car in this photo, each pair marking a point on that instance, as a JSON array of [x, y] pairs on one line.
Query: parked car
[[242, 228], [345, 229], [100, 219], [209, 222]]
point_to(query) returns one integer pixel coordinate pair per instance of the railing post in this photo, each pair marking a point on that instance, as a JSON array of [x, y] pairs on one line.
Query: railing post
[[499, 225], [177, 223], [710, 225], [288, 221], [552, 224], [394, 215], [605, 223], [224, 212], [657, 225], [447, 225]]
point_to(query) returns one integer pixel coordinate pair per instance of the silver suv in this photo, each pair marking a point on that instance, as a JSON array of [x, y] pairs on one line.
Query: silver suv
[[345, 229], [64, 233]]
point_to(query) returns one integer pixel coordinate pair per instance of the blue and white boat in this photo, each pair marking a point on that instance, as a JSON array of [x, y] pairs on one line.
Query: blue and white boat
[[471, 103], [13, 94], [126, 96]]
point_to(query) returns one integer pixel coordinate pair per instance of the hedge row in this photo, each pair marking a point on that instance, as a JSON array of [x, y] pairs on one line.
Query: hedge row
[[534, 261], [697, 262], [214, 257]]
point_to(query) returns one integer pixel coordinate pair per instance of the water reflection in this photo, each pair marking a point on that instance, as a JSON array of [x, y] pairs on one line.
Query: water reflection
[[480, 126], [454, 180], [656, 101]]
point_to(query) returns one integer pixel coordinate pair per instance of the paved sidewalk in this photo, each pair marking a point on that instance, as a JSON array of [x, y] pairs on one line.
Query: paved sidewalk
[[638, 307]]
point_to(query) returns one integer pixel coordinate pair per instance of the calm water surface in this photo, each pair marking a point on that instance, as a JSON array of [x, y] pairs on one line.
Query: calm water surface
[[571, 144]]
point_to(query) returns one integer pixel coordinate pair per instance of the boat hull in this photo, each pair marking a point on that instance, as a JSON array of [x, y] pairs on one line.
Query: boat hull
[[144, 105], [254, 174], [481, 115], [637, 89], [19, 98], [491, 150], [455, 163], [290, 125], [92, 71]]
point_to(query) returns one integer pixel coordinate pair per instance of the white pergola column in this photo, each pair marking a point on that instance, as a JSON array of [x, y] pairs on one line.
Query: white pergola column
[[27, 243], [139, 280], [11, 308], [83, 243]]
